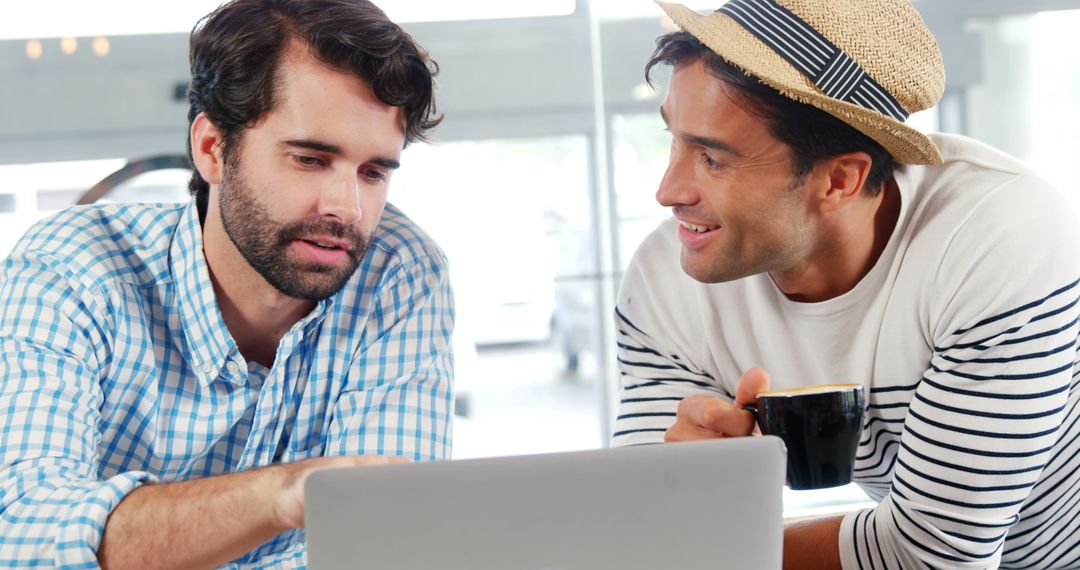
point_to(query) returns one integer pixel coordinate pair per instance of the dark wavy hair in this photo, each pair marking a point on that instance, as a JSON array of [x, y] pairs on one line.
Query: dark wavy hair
[[234, 54], [811, 134]]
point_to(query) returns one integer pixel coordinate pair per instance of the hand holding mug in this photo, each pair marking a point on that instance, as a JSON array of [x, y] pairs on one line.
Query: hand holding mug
[[709, 417], [820, 426]]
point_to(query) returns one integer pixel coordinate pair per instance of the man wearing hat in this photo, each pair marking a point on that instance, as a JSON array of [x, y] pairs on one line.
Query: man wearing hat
[[818, 239]]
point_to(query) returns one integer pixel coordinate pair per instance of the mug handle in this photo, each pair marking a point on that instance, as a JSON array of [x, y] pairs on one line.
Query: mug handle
[[752, 408]]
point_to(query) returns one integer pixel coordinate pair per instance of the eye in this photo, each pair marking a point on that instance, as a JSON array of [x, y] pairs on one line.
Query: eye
[[305, 160], [709, 162], [374, 175]]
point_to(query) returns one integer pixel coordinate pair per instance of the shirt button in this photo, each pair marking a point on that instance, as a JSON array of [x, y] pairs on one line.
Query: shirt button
[[208, 368], [234, 368]]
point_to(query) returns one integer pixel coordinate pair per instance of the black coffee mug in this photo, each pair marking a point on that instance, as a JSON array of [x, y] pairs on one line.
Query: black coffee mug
[[820, 425]]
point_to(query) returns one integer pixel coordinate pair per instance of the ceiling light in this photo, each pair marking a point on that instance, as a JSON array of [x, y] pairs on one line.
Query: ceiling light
[[34, 49], [69, 45], [100, 46]]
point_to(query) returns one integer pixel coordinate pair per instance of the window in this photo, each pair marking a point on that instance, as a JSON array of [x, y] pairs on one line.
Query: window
[[514, 218], [1028, 102], [40, 189]]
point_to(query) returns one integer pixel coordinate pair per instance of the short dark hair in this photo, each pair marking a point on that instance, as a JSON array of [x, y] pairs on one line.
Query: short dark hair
[[234, 54], [811, 134]]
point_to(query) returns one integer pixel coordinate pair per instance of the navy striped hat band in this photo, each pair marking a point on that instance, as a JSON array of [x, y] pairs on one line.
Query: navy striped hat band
[[826, 65]]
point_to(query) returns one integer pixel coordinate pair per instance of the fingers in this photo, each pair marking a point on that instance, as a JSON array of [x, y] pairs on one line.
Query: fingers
[[704, 411], [752, 383], [288, 510], [312, 465], [683, 431], [377, 459], [706, 417]]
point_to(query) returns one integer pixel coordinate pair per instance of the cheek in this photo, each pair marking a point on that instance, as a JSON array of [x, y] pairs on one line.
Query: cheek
[[756, 220], [371, 206]]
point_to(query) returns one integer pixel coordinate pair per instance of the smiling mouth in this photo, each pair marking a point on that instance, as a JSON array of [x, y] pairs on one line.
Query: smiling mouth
[[697, 228]]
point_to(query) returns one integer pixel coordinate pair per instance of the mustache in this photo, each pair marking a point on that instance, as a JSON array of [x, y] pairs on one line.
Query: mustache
[[358, 242], [320, 226], [688, 212]]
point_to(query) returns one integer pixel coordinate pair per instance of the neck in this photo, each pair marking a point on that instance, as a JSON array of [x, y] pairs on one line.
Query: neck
[[256, 314], [852, 241]]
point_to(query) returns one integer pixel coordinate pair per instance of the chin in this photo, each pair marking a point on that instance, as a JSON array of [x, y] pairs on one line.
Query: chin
[[709, 274], [696, 272]]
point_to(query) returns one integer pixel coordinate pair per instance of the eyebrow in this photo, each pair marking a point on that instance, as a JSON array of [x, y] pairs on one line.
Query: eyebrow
[[715, 144], [328, 148]]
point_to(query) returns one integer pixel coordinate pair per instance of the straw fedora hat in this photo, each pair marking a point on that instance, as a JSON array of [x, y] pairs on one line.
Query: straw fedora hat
[[869, 63]]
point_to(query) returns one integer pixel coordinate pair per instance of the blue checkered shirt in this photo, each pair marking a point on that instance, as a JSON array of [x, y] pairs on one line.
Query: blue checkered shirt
[[118, 370]]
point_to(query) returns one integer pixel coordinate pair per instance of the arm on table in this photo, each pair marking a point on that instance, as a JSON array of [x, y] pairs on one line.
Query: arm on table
[[655, 378], [207, 522], [813, 544], [989, 411], [55, 507], [406, 375]]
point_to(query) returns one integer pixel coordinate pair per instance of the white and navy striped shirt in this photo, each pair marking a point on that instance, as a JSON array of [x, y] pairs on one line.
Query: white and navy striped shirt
[[965, 335], [118, 370]]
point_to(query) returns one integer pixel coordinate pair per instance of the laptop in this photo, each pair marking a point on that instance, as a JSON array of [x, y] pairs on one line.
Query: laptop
[[708, 504]]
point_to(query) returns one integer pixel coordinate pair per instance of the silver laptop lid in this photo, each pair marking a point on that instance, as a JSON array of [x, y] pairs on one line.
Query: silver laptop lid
[[712, 504]]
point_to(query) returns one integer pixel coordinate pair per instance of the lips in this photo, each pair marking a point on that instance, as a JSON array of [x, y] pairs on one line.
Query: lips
[[327, 243], [320, 254], [696, 236]]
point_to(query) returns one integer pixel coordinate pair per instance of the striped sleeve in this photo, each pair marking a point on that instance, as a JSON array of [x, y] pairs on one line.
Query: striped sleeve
[[983, 422], [979, 431], [660, 352], [654, 380]]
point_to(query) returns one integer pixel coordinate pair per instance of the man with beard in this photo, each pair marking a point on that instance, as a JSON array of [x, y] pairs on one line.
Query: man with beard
[[816, 238], [171, 375]]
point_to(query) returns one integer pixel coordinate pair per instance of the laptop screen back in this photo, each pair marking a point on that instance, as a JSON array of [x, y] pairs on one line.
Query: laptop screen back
[[712, 504]]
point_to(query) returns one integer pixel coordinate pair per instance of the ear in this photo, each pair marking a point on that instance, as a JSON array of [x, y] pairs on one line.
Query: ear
[[206, 141], [846, 174]]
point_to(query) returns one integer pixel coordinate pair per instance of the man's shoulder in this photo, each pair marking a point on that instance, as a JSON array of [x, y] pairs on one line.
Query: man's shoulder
[[405, 243], [979, 188], [958, 150], [403, 265], [114, 241], [982, 218], [973, 171]]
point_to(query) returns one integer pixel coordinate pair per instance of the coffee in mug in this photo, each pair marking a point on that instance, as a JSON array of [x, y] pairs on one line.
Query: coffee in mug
[[820, 425]]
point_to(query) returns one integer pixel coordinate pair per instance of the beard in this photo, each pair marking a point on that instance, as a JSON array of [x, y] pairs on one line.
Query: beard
[[264, 242]]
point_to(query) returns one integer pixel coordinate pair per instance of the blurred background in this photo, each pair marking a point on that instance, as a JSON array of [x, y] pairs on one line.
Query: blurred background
[[539, 184]]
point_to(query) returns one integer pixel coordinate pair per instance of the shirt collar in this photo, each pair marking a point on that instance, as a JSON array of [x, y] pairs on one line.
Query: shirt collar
[[208, 342]]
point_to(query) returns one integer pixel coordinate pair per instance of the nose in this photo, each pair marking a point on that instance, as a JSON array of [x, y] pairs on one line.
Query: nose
[[677, 186], [341, 200]]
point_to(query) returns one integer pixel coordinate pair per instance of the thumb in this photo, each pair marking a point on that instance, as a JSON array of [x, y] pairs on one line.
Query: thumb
[[752, 383]]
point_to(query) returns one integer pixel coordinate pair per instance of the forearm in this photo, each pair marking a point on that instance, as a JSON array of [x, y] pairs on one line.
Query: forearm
[[813, 544], [200, 523]]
